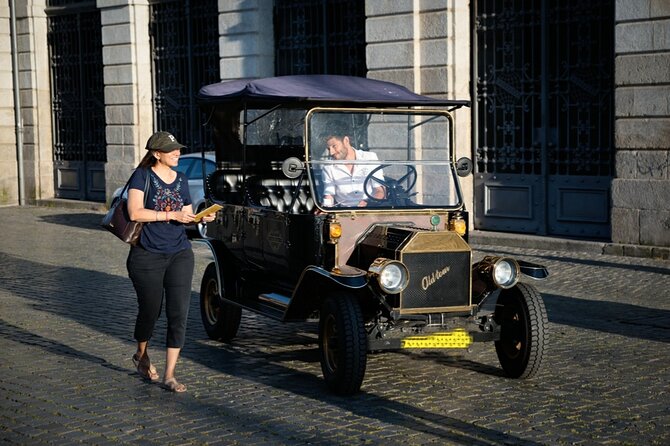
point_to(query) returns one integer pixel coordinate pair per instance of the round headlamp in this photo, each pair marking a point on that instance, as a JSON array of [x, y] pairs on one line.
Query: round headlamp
[[391, 275], [505, 273]]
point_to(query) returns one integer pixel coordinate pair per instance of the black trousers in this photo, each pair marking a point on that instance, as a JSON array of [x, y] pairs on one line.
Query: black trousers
[[155, 276]]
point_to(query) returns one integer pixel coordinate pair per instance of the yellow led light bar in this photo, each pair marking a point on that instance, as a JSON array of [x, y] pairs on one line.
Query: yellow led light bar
[[458, 338]]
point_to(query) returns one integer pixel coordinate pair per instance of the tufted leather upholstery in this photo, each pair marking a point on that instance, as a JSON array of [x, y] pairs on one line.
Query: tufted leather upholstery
[[283, 195], [225, 186], [274, 193]]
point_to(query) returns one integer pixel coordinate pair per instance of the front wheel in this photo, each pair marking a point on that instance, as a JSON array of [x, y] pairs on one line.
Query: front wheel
[[220, 319], [522, 317], [343, 344]]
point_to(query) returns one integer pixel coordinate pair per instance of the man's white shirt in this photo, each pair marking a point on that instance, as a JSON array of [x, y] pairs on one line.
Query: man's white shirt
[[347, 187]]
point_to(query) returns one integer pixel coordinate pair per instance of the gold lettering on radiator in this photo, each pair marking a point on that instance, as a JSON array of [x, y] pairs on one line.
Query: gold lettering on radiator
[[430, 279]]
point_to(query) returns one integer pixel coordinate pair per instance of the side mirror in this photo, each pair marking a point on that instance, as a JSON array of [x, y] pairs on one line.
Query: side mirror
[[464, 167], [292, 167]]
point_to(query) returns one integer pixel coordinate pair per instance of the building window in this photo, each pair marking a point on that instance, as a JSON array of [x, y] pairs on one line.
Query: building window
[[320, 37], [185, 53]]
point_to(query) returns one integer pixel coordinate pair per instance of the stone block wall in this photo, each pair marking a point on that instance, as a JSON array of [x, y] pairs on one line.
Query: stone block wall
[[9, 184], [35, 97], [641, 188], [246, 42], [425, 46], [127, 75], [246, 50]]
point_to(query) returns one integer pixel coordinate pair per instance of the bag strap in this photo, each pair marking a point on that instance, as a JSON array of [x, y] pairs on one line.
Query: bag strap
[[146, 186], [123, 191]]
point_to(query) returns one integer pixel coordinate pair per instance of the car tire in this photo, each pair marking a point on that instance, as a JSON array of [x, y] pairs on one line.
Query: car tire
[[220, 319], [522, 317], [342, 344]]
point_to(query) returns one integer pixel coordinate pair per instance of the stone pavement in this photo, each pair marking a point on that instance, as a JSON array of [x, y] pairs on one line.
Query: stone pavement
[[66, 317]]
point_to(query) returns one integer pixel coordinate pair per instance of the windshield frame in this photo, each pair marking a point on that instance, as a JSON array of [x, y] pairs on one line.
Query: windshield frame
[[448, 161]]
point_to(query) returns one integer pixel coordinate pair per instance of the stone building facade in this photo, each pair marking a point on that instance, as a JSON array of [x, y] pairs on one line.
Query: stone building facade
[[641, 188], [423, 45]]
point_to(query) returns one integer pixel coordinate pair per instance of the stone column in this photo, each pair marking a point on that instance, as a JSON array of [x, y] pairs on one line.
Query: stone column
[[34, 82], [459, 88], [641, 187], [9, 182], [246, 44], [128, 92]]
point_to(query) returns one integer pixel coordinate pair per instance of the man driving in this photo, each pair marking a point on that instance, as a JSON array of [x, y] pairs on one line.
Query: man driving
[[343, 183]]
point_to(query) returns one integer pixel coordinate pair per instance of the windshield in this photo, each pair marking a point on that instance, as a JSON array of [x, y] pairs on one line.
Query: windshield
[[381, 159]]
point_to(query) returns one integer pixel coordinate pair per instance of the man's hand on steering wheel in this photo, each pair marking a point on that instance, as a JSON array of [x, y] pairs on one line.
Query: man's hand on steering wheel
[[394, 190]]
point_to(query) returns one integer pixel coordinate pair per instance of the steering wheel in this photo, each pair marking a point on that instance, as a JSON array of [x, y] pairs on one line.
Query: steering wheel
[[395, 192]]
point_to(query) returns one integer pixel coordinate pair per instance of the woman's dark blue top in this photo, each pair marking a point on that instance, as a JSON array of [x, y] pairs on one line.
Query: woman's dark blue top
[[161, 236]]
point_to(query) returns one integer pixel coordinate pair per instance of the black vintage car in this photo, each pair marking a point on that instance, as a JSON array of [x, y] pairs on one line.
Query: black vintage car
[[388, 269]]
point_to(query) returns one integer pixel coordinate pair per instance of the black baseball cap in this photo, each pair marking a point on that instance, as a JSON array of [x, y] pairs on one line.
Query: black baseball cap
[[163, 142]]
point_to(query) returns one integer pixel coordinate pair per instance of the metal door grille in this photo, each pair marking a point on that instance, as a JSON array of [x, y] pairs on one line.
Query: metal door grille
[[580, 91], [185, 52], [320, 37], [78, 108], [508, 90], [544, 116]]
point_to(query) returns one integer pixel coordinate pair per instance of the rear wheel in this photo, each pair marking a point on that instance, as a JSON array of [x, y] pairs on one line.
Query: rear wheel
[[220, 319], [522, 317], [343, 344]]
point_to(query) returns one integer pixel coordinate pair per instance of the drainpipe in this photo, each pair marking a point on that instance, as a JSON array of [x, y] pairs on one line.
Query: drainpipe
[[17, 103]]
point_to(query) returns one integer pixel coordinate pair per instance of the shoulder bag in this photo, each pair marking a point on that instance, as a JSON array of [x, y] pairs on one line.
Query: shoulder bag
[[117, 221]]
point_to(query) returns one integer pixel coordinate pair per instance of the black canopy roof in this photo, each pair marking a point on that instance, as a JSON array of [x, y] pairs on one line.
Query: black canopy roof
[[317, 89]]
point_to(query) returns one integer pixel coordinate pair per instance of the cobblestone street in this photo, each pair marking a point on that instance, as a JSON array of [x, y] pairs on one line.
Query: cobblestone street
[[67, 311]]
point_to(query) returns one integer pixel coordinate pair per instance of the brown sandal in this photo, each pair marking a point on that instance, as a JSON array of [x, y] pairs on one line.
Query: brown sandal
[[173, 385], [150, 373]]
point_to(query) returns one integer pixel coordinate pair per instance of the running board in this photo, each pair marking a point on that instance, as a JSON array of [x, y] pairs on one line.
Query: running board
[[274, 299]]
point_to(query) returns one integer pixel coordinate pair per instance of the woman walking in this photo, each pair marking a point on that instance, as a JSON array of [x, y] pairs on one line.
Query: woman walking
[[161, 264]]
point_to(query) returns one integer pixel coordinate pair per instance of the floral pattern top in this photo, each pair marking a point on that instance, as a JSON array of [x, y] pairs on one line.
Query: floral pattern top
[[161, 236]]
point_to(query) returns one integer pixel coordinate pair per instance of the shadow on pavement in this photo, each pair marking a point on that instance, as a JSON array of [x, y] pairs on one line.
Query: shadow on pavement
[[77, 294], [81, 220], [17, 334], [609, 317], [91, 298], [458, 362], [224, 358]]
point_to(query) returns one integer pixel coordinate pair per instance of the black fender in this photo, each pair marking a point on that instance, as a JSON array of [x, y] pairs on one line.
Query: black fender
[[482, 281], [315, 283], [221, 257], [533, 270]]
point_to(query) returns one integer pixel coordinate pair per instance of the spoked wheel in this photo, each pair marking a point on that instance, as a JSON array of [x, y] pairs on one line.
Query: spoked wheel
[[220, 319], [522, 317], [343, 344]]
